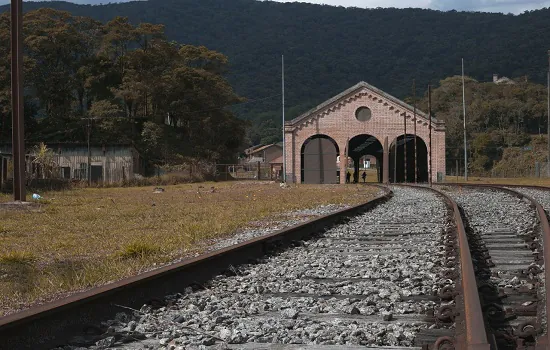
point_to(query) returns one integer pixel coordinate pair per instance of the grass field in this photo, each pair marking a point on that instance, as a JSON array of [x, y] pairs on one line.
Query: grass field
[[78, 239]]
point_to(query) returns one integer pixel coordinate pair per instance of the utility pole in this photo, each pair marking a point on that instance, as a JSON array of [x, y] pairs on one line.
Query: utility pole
[[89, 168], [548, 97], [18, 126], [464, 111], [430, 133], [395, 161], [283, 93], [405, 146], [414, 120]]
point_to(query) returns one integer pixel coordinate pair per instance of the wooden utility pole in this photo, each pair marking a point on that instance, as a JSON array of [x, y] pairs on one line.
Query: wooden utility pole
[[548, 101], [18, 127]]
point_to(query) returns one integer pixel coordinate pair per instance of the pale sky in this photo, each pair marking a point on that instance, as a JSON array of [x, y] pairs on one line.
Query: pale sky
[[505, 6]]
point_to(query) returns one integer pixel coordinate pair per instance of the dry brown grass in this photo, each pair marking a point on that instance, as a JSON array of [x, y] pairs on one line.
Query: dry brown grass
[[501, 181], [87, 237]]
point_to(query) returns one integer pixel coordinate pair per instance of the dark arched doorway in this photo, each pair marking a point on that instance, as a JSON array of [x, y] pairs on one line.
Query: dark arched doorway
[[318, 156], [397, 173], [365, 145]]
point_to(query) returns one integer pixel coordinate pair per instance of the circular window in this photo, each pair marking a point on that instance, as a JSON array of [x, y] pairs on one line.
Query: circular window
[[363, 114]]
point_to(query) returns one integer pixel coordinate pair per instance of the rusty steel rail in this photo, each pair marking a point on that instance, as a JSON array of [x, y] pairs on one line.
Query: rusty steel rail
[[53, 324], [475, 337], [543, 342]]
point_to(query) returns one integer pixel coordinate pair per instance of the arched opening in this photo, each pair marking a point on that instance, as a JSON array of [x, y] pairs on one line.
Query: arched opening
[[361, 148], [420, 160], [319, 155]]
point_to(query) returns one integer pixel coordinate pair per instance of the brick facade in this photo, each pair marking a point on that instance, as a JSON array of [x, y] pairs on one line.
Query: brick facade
[[336, 119]]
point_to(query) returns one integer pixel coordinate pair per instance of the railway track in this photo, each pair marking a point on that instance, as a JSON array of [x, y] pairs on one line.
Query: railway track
[[507, 235], [367, 282], [398, 276]]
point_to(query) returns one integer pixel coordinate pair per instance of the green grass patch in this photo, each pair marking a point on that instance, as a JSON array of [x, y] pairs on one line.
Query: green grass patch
[[17, 257], [139, 250]]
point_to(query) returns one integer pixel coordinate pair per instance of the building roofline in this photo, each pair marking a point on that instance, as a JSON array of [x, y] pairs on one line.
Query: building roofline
[[265, 147], [352, 89]]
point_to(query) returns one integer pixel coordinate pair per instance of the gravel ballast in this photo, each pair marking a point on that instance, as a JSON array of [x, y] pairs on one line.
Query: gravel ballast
[[369, 281], [505, 226]]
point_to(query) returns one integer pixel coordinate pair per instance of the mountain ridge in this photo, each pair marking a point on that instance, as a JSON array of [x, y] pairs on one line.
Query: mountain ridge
[[327, 49]]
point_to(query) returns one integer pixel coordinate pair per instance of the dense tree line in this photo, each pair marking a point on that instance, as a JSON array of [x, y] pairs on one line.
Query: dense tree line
[[328, 49], [498, 117], [130, 83]]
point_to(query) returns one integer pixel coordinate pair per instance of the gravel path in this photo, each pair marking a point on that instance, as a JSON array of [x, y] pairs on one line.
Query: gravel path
[[369, 281], [503, 226]]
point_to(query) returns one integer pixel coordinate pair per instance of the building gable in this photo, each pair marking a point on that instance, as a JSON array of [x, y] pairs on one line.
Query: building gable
[[362, 90]]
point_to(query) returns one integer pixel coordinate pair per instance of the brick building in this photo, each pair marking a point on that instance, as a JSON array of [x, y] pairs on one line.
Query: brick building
[[360, 121]]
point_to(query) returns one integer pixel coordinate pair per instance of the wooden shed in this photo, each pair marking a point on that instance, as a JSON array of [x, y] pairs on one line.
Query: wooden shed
[[109, 163]]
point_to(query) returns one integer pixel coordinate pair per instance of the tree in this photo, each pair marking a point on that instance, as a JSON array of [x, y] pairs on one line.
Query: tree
[[128, 81], [44, 159]]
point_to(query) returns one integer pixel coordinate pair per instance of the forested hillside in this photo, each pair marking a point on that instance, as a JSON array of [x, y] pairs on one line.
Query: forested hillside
[[328, 49], [120, 83], [501, 120]]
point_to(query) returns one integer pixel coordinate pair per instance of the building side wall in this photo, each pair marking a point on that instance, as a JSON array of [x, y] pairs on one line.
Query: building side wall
[[272, 153], [118, 162], [339, 123], [114, 168]]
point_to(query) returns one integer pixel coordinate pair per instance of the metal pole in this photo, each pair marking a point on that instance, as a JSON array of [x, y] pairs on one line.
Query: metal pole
[[414, 120], [430, 132], [89, 170], [18, 126], [386, 162], [464, 111], [405, 147], [283, 93], [394, 161]]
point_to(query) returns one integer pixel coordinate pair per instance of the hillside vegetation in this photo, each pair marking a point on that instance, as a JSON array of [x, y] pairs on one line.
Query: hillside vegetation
[[328, 49], [120, 83], [500, 121]]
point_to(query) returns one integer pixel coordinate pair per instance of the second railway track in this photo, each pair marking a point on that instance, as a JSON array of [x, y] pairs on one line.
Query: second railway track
[[506, 238]]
